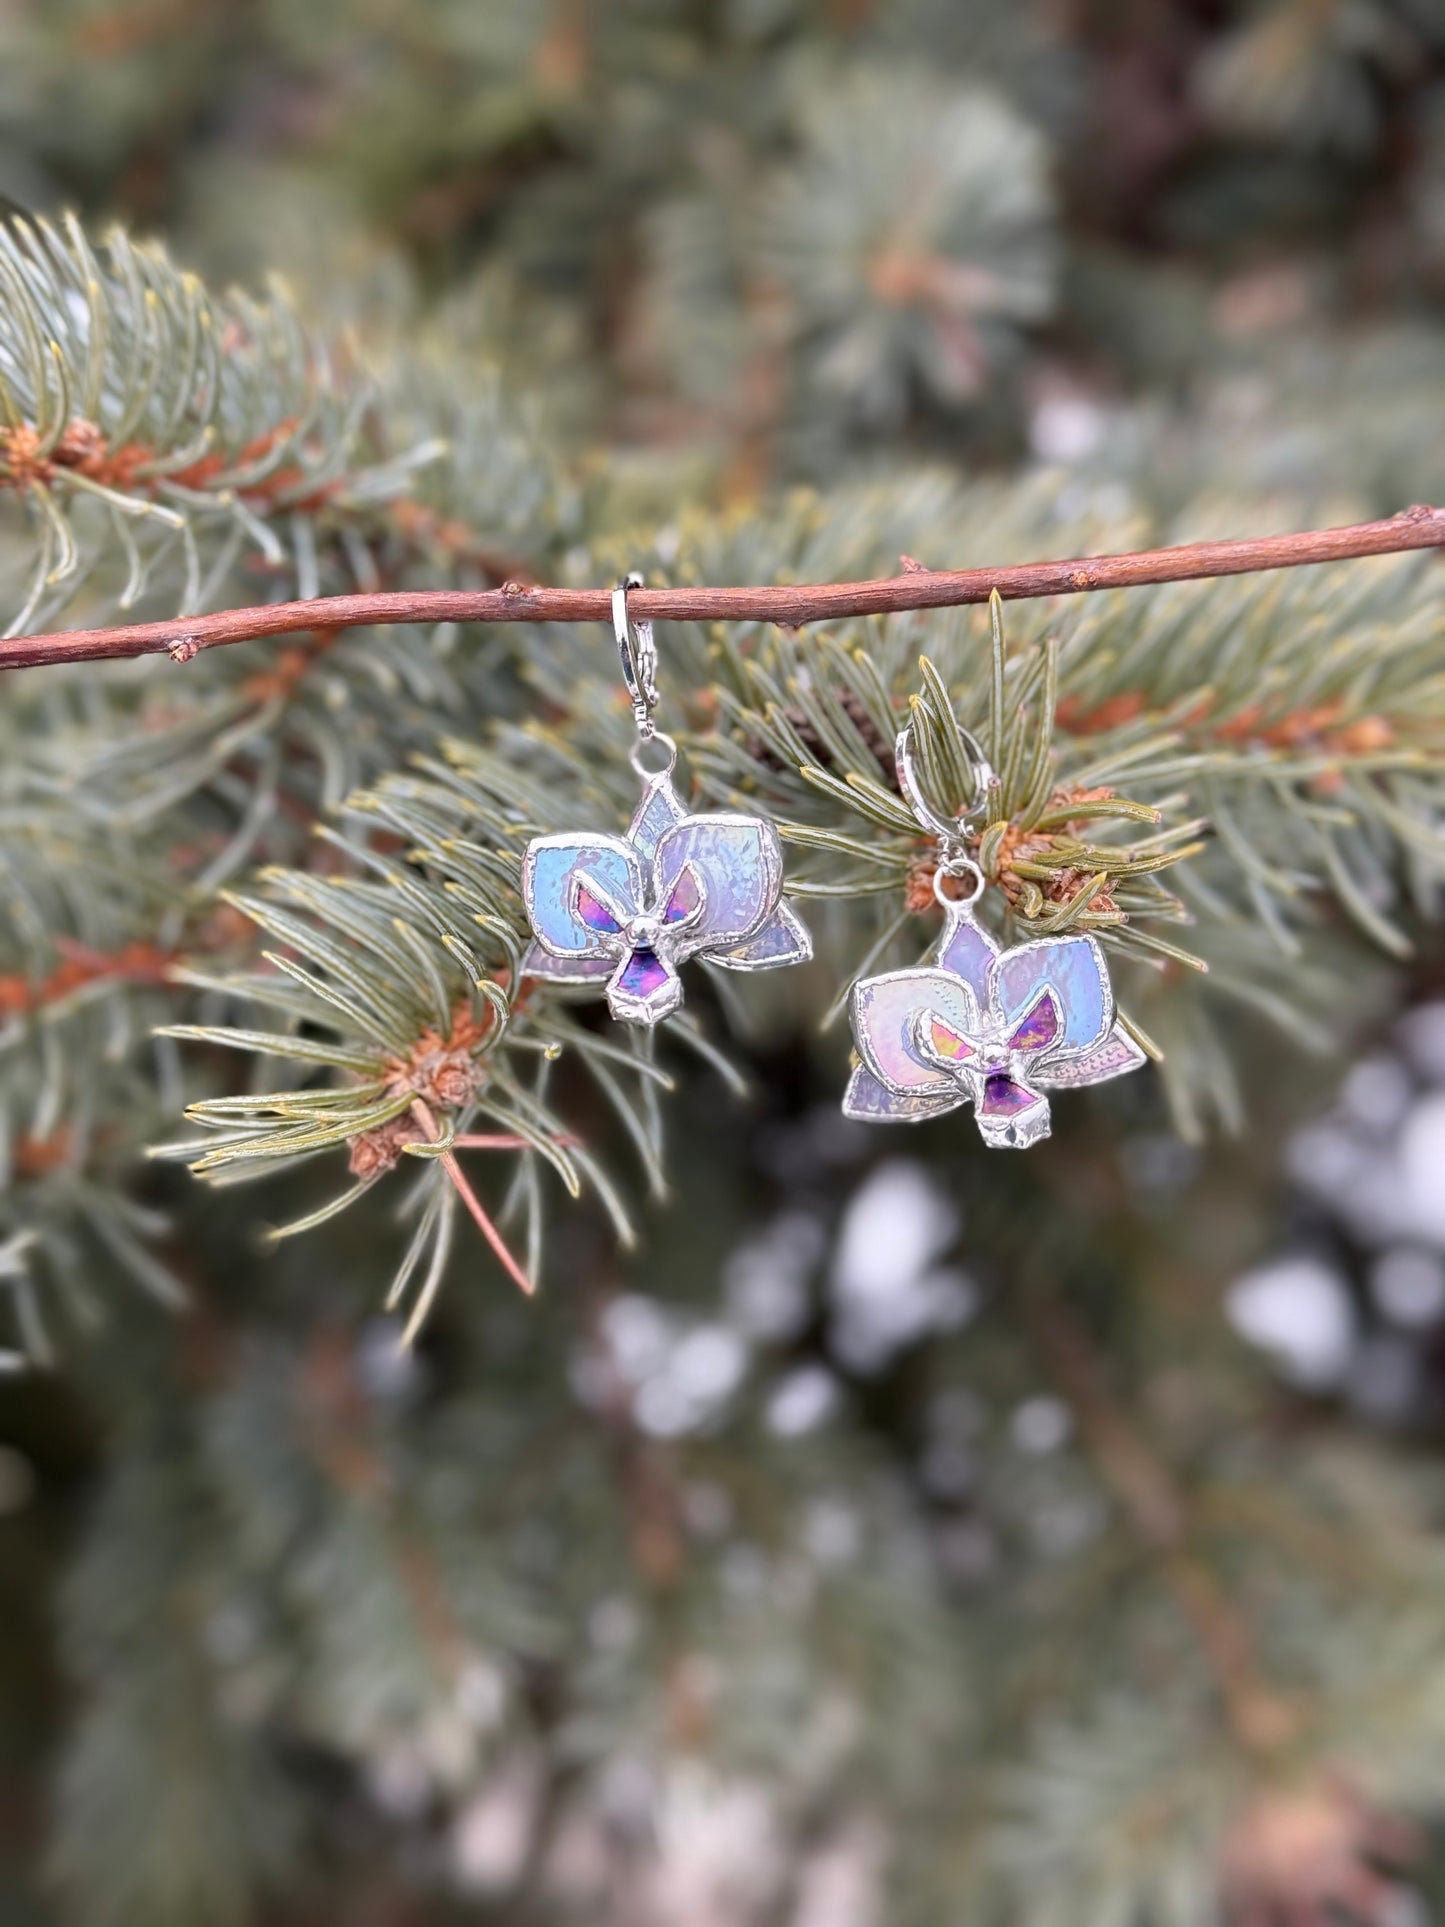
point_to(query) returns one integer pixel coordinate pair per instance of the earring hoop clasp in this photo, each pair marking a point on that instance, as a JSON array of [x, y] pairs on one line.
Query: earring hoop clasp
[[951, 832], [637, 649]]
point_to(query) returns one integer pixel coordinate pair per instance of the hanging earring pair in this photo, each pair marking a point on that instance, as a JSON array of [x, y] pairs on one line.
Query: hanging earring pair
[[627, 910], [981, 1024]]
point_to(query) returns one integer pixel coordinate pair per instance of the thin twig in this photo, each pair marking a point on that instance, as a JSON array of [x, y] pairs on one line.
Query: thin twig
[[791, 606], [469, 1198]]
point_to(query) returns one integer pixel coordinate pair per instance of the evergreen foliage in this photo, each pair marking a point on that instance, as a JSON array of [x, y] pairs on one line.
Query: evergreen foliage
[[853, 1527]]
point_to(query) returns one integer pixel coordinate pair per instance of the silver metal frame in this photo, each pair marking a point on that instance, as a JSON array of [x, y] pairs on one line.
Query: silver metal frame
[[637, 649], [949, 831]]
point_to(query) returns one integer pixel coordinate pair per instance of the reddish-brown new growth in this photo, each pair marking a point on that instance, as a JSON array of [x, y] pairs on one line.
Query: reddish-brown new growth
[[444, 1072], [1327, 728], [473, 1203], [1019, 846], [788, 605], [132, 468], [133, 963], [441, 1073]]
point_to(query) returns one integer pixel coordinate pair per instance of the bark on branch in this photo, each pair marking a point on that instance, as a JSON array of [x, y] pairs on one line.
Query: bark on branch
[[791, 605]]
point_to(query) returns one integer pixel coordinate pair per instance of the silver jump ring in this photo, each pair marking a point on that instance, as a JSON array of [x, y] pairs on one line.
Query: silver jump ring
[[664, 742], [637, 649], [958, 866], [948, 830]]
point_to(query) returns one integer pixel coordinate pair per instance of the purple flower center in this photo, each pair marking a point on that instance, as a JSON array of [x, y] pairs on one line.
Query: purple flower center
[[1039, 1028], [1002, 1097], [642, 974], [594, 913], [685, 898]]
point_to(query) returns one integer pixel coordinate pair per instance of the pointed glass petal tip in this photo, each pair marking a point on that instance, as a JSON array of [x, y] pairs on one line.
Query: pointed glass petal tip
[[1003, 1098], [643, 975], [594, 913], [1039, 1028], [685, 900], [946, 1042]]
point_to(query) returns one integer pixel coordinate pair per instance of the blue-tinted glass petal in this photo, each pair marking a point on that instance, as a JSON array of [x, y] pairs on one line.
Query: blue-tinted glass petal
[[1073, 969], [659, 809], [783, 939], [552, 870]]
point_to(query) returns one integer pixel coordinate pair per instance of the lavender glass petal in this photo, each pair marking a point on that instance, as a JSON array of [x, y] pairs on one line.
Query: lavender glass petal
[[740, 860], [681, 885]]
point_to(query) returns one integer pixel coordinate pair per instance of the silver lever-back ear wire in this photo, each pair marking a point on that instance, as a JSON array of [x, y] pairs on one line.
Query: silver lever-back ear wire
[[637, 649], [951, 832]]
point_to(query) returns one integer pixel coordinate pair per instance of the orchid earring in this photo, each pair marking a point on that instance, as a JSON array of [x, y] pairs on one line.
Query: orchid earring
[[980, 1024], [627, 910]]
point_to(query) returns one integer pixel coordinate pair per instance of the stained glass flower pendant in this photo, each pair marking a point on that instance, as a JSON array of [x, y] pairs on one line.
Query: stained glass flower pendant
[[997, 1028], [627, 910]]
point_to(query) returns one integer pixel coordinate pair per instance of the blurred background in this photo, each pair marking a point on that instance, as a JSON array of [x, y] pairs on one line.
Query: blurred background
[[904, 1534]]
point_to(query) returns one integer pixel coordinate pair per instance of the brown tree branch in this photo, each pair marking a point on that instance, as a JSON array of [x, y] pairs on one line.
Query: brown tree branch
[[790, 605]]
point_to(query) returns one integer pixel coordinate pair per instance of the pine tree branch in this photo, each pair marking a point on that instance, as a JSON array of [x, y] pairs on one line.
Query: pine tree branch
[[789, 605]]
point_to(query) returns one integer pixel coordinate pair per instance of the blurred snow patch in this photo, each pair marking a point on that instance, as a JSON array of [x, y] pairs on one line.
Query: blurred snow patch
[[1422, 1166], [1040, 1425], [678, 1376], [1328, 1159], [1408, 1285], [719, 1859], [1378, 1164], [766, 1279], [1298, 1310], [638, 1335], [832, 1532], [886, 1289], [482, 1694], [802, 1401], [1377, 1092], [388, 1373], [1066, 428], [492, 1831], [840, 1884], [700, 1375]]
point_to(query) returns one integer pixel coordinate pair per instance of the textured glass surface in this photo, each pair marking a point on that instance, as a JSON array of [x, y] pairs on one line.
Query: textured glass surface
[[643, 975], [1039, 1028], [1073, 969], [555, 867], [729, 854], [886, 1013], [969, 953]]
